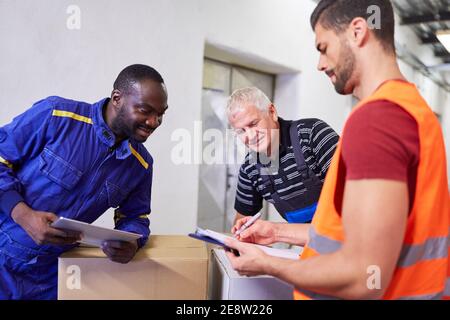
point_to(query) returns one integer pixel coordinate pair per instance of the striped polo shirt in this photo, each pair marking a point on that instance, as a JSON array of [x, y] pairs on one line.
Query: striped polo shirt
[[318, 142]]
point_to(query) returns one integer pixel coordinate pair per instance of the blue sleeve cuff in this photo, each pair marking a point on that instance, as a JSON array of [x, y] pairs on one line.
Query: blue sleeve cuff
[[142, 241], [145, 232], [8, 200]]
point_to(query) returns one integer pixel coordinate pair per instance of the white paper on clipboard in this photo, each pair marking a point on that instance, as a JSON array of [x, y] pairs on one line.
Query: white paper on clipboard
[[280, 253], [94, 235]]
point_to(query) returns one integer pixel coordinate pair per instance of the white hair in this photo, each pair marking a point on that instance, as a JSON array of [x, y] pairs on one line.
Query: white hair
[[241, 98]]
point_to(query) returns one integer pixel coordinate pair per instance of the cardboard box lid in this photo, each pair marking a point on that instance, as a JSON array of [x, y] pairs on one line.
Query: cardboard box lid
[[158, 247]]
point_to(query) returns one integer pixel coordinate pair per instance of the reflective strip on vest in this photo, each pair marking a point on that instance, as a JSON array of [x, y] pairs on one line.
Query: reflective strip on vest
[[322, 244], [316, 296], [447, 288], [433, 296], [433, 248]]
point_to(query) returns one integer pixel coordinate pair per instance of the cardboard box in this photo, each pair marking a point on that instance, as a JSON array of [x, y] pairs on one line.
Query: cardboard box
[[168, 267], [227, 284]]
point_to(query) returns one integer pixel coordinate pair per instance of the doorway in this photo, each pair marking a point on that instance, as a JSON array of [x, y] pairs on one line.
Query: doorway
[[217, 182]]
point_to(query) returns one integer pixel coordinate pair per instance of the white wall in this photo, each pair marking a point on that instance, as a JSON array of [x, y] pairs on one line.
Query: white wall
[[41, 57]]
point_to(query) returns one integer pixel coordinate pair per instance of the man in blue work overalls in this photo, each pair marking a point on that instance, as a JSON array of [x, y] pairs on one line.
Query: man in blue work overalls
[[65, 158], [287, 162]]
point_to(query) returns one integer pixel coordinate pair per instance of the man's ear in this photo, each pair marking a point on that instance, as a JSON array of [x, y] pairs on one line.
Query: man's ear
[[273, 112], [116, 97], [358, 32]]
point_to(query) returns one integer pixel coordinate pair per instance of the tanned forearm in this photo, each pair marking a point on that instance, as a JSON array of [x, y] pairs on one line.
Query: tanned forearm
[[292, 233]]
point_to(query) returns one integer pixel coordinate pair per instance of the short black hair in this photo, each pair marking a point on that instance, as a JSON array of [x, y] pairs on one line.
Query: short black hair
[[135, 73], [338, 14]]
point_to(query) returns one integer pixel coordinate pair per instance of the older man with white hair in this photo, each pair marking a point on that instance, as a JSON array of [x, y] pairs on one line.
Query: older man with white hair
[[287, 162]]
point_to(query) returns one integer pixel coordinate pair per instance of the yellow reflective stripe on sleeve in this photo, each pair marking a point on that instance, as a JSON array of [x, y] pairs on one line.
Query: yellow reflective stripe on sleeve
[[6, 163], [139, 157], [119, 215], [67, 114]]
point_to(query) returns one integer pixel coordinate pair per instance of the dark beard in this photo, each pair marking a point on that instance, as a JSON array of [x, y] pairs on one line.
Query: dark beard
[[347, 62], [119, 126]]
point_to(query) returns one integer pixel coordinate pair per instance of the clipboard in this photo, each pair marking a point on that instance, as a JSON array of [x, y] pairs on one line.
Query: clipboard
[[207, 239], [94, 235], [201, 234], [219, 238]]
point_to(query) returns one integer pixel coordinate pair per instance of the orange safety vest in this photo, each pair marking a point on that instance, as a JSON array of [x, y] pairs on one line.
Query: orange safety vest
[[423, 269]]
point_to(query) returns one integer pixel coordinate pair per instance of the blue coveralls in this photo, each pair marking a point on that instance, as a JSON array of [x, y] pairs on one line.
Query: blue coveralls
[[59, 157], [301, 208]]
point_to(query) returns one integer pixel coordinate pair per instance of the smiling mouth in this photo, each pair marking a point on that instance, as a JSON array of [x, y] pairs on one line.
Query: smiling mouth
[[257, 142], [146, 130]]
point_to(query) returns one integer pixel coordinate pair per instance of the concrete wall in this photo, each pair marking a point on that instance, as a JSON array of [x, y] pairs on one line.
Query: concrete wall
[[40, 56]]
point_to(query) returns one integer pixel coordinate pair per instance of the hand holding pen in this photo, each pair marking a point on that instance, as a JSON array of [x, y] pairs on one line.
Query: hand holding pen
[[255, 230], [247, 224]]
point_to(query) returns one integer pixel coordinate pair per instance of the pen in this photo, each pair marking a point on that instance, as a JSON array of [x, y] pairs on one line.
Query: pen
[[248, 224]]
